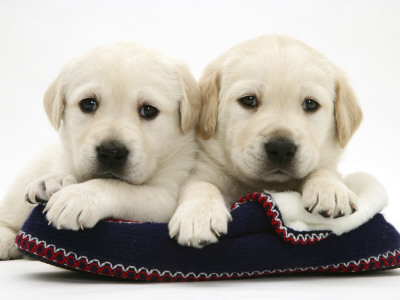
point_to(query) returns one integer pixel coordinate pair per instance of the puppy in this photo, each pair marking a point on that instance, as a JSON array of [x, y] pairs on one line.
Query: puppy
[[276, 115], [125, 115]]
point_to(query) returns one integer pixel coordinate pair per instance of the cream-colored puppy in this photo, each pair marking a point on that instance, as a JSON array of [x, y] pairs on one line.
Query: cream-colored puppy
[[125, 114], [276, 115]]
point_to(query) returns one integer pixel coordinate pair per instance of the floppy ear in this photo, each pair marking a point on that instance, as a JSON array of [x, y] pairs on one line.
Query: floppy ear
[[53, 101], [209, 89], [348, 113], [190, 104]]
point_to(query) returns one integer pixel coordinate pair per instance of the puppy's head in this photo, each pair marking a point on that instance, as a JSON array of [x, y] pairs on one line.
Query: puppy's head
[[279, 108], [121, 110]]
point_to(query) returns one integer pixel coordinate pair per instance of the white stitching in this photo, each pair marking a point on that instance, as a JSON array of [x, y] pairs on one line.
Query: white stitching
[[204, 275]]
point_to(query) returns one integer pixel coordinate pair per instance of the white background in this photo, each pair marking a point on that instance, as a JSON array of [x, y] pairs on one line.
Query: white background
[[38, 37]]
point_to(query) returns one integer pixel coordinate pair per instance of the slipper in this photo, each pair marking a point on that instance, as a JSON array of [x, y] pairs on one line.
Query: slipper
[[271, 233]]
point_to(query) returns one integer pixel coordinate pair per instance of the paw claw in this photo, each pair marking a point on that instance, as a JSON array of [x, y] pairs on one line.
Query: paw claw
[[230, 217], [42, 189], [193, 229], [75, 208], [203, 243], [39, 200], [215, 231], [27, 200], [325, 213], [308, 209], [339, 215], [328, 198]]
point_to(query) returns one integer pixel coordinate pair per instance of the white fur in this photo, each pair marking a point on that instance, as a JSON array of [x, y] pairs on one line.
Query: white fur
[[281, 73], [371, 195], [122, 77]]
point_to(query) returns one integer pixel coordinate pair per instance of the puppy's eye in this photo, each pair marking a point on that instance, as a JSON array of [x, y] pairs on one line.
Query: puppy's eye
[[249, 101], [310, 105], [148, 112], [89, 105]]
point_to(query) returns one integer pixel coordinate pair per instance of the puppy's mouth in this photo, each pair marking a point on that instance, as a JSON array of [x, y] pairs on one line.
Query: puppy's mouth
[[118, 176], [110, 175], [279, 172]]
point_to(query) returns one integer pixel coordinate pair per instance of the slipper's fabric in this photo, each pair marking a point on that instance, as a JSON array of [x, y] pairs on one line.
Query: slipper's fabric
[[258, 244], [371, 199]]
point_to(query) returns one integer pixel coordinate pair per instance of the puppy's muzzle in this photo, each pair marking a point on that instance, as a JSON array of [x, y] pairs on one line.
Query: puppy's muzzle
[[281, 151], [112, 154]]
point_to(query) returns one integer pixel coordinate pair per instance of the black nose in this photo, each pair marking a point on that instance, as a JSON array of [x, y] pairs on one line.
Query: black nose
[[112, 154], [280, 150]]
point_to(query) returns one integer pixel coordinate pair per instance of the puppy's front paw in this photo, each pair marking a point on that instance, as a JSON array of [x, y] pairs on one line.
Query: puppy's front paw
[[75, 207], [329, 198], [200, 224], [41, 190], [8, 249]]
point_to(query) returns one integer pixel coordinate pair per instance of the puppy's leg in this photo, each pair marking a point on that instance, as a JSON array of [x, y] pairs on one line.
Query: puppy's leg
[[41, 189], [201, 217], [82, 205], [13, 209], [324, 193], [13, 213], [8, 249]]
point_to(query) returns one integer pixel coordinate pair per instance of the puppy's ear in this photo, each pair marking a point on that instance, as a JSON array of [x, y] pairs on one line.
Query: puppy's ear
[[190, 104], [348, 113], [209, 89], [53, 101]]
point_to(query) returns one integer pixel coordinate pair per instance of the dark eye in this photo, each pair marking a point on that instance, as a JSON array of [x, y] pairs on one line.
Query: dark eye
[[89, 105], [310, 105], [249, 101], [148, 111]]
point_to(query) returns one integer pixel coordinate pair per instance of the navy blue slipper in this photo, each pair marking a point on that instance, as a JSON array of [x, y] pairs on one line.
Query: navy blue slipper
[[258, 244]]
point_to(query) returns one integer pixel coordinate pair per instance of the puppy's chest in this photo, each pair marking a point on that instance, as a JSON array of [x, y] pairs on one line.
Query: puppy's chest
[[240, 189]]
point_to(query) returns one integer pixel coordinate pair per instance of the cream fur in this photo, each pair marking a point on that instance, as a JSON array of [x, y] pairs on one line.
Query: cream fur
[[122, 77], [371, 195], [281, 73]]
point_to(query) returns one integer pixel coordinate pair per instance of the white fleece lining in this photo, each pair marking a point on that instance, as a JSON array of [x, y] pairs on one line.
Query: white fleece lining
[[372, 198]]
